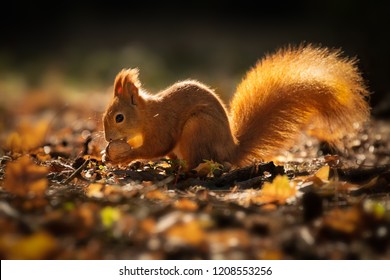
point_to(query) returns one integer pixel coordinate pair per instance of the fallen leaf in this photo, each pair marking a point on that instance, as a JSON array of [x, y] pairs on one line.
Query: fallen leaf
[[156, 194], [186, 204], [347, 220], [271, 254], [203, 169], [220, 241], [95, 190], [190, 233], [323, 173], [109, 216], [86, 214], [208, 168], [26, 137], [24, 177], [148, 225], [37, 246], [279, 191], [375, 208]]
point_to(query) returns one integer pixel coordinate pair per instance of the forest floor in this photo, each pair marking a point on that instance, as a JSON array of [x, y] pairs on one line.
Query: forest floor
[[58, 200]]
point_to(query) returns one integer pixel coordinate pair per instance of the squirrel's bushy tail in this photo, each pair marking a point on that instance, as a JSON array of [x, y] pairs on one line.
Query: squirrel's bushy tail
[[292, 90]]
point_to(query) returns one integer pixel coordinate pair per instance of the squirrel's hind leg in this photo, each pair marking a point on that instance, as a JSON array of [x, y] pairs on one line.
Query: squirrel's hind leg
[[203, 139]]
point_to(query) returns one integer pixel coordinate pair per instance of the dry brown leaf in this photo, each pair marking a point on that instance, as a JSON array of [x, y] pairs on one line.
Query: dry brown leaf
[[126, 225], [186, 204], [190, 233], [208, 168], [347, 221], [156, 194], [24, 177], [271, 254], [26, 137], [203, 169], [87, 214], [222, 240], [148, 225], [42, 155], [95, 190], [115, 193], [346, 186]]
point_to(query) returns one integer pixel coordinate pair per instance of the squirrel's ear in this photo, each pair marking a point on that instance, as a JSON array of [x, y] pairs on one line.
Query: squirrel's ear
[[127, 85]]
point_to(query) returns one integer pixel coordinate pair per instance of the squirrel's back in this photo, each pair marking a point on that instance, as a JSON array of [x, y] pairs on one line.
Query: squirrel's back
[[295, 89]]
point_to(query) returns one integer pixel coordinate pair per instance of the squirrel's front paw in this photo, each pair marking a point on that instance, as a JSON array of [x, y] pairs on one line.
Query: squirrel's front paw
[[117, 151]]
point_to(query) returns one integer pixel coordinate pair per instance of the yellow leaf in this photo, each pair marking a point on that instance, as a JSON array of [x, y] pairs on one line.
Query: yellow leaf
[[280, 190], [14, 142], [377, 209], [323, 173], [317, 182], [37, 246], [109, 216], [24, 177]]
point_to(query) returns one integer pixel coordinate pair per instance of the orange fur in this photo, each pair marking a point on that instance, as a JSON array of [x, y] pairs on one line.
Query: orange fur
[[295, 89]]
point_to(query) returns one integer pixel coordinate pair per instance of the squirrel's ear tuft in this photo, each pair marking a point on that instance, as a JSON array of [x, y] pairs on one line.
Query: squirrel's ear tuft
[[127, 83], [119, 90]]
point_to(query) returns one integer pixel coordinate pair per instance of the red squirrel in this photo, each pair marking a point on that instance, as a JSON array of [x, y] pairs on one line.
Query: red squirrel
[[287, 92]]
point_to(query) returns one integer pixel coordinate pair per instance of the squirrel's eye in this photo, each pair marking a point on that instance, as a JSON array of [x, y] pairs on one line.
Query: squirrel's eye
[[119, 118]]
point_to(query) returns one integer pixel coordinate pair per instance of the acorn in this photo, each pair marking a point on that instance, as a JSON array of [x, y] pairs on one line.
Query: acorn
[[115, 149]]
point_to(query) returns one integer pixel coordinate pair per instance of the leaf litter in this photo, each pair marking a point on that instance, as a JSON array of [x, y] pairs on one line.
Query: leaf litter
[[58, 200]]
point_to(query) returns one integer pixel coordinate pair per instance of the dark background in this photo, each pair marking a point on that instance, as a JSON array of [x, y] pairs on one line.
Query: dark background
[[212, 41]]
